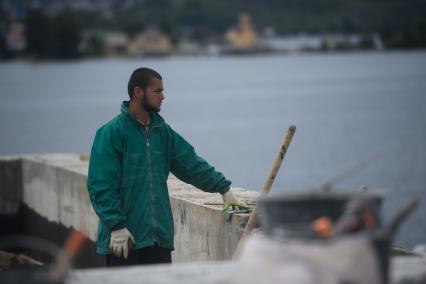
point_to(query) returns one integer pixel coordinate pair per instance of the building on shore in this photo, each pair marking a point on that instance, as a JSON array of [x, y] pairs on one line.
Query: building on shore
[[104, 43], [151, 42], [323, 42], [115, 43], [243, 37], [352, 41], [188, 47], [15, 37]]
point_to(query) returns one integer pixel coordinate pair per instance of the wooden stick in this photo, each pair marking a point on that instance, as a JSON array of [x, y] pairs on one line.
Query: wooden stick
[[269, 181], [271, 176]]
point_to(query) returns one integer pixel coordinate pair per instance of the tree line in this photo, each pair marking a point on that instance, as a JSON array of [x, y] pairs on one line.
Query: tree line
[[401, 23]]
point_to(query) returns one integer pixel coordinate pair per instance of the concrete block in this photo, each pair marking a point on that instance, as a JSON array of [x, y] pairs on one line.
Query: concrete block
[[10, 185], [54, 186], [202, 230], [75, 209], [40, 183]]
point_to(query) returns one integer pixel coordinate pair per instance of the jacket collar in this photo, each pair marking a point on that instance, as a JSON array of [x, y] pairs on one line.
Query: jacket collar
[[155, 118]]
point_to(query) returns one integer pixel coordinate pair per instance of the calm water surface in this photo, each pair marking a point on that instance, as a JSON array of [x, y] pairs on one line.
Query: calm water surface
[[236, 110]]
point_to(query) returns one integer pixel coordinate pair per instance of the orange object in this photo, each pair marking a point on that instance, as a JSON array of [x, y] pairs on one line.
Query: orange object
[[74, 243], [323, 227]]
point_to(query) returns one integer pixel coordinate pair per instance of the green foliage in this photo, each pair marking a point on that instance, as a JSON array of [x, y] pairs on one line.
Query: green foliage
[[3, 50], [38, 33], [401, 23], [52, 37], [65, 36], [398, 21]]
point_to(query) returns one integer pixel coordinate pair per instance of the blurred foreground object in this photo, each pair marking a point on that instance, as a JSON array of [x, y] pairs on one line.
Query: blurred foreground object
[[32, 271], [63, 261], [344, 260], [320, 237]]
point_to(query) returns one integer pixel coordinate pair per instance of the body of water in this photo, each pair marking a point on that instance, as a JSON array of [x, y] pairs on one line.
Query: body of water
[[236, 111]]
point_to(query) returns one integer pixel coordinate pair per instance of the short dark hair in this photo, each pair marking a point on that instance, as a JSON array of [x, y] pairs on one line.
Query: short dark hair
[[141, 77]]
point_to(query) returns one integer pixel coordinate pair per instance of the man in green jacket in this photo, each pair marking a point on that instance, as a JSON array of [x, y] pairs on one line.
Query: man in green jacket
[[130, 161]]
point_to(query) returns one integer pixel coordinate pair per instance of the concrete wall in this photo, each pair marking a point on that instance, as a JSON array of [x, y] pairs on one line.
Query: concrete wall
[[10, 185], [203, 232], [54, 186]]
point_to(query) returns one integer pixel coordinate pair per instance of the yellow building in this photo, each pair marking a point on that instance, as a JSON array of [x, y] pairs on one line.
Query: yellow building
[[151, 42], [243, 36]]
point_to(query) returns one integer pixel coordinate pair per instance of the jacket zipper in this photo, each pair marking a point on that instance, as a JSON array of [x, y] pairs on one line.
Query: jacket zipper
[[148, 145]]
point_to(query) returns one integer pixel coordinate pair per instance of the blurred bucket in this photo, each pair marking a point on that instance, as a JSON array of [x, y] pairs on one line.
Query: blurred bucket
[[290, 216]]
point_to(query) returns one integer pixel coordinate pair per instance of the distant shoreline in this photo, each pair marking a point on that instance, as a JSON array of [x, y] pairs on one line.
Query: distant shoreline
[[227, 55]]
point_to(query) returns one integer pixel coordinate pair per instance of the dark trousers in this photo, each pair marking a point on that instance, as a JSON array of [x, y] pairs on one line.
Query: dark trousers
[[147, 255]]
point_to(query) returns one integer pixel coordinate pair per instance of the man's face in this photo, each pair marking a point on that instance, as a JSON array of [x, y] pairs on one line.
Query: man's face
[[153, 96]]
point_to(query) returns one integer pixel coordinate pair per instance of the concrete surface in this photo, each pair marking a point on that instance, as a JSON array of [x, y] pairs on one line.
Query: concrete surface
[[404, 270], [188, 273]]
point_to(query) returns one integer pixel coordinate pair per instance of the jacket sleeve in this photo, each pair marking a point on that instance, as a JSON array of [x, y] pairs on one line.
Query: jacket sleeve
[[103, 180], [190, 168]]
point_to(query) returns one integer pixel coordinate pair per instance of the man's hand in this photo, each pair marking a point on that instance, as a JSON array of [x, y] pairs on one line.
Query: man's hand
[[230, 201], [120, 242]]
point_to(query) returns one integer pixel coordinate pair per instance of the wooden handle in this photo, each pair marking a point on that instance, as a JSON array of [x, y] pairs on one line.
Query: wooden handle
[[271, 177]]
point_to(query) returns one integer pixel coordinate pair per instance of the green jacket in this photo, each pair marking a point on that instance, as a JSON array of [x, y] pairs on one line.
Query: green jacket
[[127, 179]]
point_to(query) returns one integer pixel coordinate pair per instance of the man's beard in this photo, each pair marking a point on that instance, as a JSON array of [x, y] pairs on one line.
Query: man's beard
[[147, 107]]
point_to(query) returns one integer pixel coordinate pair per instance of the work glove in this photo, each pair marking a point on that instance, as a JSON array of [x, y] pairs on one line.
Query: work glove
[[230, 201], [119, 243]]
